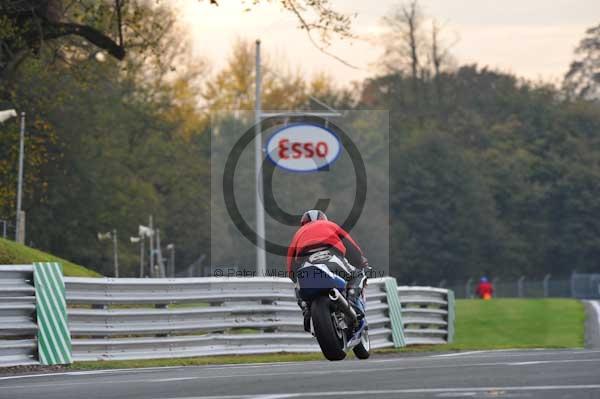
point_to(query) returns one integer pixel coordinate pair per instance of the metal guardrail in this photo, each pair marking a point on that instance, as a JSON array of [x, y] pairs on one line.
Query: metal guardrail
[[196, 317], [427, 315], [18, 328], [165, 291], [131, 318], [380, 324]]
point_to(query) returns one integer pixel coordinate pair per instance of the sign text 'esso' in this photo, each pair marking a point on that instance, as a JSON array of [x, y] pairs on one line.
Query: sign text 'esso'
[[303, 148]]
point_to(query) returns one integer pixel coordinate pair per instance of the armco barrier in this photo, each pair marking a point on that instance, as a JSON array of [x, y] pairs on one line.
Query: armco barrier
[[18, 328], [170, 318], [427, 315], [197, 317], [167, 318]]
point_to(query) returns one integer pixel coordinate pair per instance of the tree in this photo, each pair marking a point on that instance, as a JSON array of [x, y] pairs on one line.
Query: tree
[[28, 25], [232, 88], [500, 152], [583, 78], [439, 56], [443, 217], [109, 143], [420, 55], [404, 40]]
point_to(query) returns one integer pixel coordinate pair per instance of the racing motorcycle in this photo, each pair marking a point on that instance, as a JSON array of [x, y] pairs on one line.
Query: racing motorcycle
[[333, 321]]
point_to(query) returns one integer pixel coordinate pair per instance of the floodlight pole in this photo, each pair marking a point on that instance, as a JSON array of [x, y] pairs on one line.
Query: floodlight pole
[[19, 230], [261, 261]]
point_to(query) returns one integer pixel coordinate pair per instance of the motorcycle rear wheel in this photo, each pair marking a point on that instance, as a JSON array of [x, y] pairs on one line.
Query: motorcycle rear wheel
[[328, 335]]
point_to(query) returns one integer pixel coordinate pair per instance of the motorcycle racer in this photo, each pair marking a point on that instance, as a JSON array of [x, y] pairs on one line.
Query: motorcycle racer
[[319, 239]]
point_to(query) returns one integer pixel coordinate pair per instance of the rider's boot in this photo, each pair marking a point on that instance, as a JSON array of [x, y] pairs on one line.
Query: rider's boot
[[305, 310], [355, 300], [354, 296]]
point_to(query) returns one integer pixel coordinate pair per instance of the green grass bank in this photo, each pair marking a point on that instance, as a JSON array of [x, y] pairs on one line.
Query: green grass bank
[[12, 253], [518, 323]]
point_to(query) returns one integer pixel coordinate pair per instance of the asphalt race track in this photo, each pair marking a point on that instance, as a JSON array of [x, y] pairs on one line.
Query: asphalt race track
[[480, 374], [497, 374]]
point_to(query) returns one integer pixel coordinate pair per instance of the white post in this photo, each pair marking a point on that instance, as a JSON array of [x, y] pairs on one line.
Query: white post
[[116, 252], [547, 285], [171, 248], [173, 261], [520, 287], [141, 256], [468, 288], [20, 235], [161, 264], [261, 261], [151, 246]]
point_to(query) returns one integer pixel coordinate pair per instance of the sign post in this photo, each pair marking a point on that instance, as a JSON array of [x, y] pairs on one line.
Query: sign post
[[261, 258], [258, 155]]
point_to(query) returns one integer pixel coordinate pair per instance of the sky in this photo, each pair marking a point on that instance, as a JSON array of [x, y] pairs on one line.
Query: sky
[[534, 39]]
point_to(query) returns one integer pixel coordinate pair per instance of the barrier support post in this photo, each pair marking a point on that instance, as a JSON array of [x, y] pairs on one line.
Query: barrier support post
[[451, 316], [54, 338], [395, 312]]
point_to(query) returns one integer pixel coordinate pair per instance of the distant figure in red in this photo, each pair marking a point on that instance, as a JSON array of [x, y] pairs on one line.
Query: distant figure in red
[[485, 289]]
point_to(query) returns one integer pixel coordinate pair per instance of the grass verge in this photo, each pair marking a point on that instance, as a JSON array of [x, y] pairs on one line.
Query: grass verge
[[496, 324], [12, 253], [519, 323], [514, 324]]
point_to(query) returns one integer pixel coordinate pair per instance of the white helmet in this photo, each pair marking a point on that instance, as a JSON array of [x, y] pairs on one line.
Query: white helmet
[[311, 216]]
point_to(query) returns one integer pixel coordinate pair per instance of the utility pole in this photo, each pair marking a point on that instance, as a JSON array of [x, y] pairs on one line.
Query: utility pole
[[20, 228], [261, 262]]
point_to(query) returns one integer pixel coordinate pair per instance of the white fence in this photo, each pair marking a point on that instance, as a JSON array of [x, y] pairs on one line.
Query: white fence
[[167, 318]]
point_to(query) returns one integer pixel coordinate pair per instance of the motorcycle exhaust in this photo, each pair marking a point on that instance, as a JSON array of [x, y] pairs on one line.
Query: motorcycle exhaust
[[343, 305]]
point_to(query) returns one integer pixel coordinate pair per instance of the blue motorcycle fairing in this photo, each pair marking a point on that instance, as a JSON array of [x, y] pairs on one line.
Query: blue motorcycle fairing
[[313, 279], [357, 335]]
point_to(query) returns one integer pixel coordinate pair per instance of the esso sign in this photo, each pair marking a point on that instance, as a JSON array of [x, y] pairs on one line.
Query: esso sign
[[303, 148]]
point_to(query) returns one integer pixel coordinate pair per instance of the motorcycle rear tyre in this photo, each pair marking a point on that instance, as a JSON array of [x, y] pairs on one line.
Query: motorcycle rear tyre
[[331, 344]]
